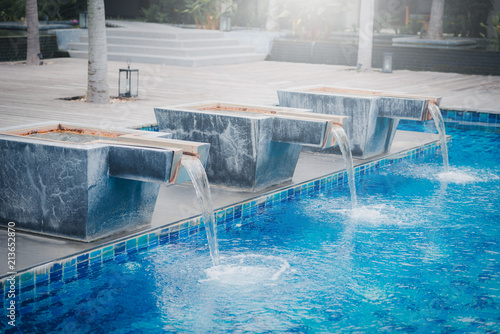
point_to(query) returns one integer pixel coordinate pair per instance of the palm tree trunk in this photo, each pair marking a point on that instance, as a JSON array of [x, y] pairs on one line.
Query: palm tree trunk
[[97, 88], [436, 20], [365, 43], [33, 35]]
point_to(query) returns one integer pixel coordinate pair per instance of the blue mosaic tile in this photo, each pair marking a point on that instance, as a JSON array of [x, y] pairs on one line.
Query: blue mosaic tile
[[221, 215], [269, 201], [55, 276], [152, 127], [245, 206], [174, 236], [237, 211], [246, 213], [165, 236], [193, 230], [96, 261], [70, 263], [153, 239], [483, 117], [183, 234], [27, 278], [96, 253], [69, 268], [82, 258], [108, 253], [119, 248], [131, 245], [41, 277], [142, 241], [229, 213], [82, 266]]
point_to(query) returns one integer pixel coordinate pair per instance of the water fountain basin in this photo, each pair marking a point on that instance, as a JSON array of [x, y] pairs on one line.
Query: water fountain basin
[[84, 183], [373, 115], [252, 147]]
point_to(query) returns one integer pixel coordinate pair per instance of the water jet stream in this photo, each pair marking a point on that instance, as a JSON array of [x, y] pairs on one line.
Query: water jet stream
[[438, 120], [198, 176], [343, 142]]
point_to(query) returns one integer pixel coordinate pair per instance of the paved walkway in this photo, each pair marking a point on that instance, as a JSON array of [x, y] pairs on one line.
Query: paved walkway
[[31, 94]]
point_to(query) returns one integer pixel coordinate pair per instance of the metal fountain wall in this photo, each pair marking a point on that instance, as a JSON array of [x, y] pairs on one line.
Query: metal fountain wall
[[86, 191], [252, 147], [373, 116]]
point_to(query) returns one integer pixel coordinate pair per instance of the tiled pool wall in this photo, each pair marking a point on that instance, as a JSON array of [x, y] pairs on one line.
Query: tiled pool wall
[[470, 116], [26, 283]]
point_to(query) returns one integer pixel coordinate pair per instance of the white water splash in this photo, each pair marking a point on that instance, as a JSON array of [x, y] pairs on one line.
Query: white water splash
[[379, 215], [248, 269], [457, 177], [371, 214]]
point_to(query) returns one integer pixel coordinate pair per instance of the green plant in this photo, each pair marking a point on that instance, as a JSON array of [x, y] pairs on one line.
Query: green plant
[[314, 19], [495, 22], [251, 13], [163, 11], [385, 19], [12, 10], [60, 9], [206, 13], [154, 14], [15, 10], [464, 17], [412, 28]]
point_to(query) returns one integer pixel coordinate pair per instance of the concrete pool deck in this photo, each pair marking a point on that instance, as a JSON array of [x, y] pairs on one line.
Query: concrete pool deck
[[33, 94]]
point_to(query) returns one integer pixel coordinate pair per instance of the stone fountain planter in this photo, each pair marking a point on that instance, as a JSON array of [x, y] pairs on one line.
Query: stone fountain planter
[[373, 116], [252, 147], [83, 183]]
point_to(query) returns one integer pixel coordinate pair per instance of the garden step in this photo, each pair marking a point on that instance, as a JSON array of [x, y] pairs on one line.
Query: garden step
[[170, 43], [177, 34], [165, 51], [170, 46], [178, 61]]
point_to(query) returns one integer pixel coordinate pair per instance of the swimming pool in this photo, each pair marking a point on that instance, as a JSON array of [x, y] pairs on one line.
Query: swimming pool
[[421, 254]]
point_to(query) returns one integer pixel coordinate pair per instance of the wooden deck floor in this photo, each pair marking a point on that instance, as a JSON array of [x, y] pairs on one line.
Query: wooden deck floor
[[32, 94]]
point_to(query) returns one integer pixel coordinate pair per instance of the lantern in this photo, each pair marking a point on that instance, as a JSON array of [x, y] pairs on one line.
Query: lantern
[[387, 63], [128, 82]]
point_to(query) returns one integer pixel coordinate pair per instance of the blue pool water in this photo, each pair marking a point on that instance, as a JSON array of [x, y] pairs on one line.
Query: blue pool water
[[420, 254]]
